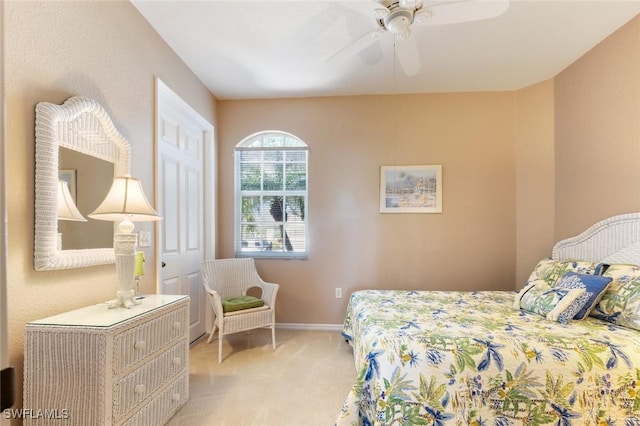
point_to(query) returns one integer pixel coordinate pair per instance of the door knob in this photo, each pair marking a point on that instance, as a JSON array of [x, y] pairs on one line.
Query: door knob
[[164, 264]]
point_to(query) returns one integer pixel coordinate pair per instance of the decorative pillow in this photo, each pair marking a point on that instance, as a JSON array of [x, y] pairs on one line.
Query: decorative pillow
[[552, 270], [594, 286], [620, 304], [531, 284], [554, 303], [242, 302], [601, 268]]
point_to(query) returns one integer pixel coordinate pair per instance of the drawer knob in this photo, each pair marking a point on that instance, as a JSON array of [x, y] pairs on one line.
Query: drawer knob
[[140, 344], [177, 324], [175, 397], [139, 388], [176, 361]]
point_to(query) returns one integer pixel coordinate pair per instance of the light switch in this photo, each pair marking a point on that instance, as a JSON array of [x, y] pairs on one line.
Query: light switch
[[144, 239]]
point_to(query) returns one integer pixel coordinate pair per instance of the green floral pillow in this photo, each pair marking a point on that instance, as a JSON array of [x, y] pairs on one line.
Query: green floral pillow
[[620, 304], [544, 277], [554, 303], [552, 270]]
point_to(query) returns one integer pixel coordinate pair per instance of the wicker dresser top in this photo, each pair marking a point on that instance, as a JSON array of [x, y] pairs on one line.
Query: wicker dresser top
[[101, 316]]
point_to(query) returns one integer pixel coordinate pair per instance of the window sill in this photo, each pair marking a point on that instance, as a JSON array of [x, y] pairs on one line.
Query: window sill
[[267, 255]]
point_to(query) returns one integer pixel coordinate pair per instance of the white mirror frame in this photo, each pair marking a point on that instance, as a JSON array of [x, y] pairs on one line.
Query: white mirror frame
[[83, 125]]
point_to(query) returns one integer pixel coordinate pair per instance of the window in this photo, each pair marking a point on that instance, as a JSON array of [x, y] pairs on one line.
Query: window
[[271, 196]]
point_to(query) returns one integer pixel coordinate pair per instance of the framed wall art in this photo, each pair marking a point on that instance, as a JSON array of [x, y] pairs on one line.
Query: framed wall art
[[411, 189]]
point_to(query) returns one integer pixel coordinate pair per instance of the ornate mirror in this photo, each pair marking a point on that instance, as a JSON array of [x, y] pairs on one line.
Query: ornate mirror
[[65, 135]]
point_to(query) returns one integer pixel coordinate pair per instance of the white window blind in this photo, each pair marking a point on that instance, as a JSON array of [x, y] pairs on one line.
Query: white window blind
[[271, 196]]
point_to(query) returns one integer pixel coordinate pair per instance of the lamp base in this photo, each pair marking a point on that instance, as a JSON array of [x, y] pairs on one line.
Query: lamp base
[[124, 247], [125, 299]]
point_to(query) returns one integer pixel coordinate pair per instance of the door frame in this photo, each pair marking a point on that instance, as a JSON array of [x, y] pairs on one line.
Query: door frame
[[208, 175]]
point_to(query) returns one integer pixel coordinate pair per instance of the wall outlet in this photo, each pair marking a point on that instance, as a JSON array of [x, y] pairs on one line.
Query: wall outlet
[[338, 293]]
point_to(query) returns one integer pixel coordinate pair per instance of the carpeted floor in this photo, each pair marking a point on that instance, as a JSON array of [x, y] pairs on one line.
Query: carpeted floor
[[302, 383]]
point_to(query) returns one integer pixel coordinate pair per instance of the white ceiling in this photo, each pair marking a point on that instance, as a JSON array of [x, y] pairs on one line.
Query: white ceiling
[[269, 49]]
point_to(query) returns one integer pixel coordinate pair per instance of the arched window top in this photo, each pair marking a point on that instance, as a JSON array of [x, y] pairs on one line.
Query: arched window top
[[271, 139]]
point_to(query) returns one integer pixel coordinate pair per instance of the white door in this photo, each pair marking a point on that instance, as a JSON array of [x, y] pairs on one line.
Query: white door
[[183, 140]]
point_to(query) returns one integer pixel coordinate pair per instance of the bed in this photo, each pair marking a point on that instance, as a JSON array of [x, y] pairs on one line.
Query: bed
[[489, 358]]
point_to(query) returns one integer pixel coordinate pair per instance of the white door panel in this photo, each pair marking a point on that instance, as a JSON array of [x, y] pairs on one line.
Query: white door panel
[[170, 207], [193, 226], [171, 285], [182, 136], [169, 130]]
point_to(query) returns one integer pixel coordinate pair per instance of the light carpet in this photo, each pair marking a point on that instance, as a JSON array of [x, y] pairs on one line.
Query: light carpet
[[303, 382]]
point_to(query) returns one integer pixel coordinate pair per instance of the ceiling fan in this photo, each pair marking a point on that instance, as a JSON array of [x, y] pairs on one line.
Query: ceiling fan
[[398, 16]]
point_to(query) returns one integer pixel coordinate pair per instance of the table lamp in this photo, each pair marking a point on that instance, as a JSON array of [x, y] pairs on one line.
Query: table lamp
[[67, 209], [125, 203]]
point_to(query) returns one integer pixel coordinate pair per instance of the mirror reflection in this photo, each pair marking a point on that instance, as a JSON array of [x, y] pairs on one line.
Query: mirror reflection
[[89, 179]]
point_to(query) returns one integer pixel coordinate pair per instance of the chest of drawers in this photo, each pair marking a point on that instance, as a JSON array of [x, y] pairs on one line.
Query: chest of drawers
[[100, 366]]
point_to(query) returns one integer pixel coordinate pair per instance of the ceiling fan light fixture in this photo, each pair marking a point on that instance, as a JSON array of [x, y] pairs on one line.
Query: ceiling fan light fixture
[[398, 21], [398, 25]]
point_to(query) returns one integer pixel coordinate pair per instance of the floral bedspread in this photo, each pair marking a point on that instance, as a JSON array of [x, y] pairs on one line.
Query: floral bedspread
[[470, 358]]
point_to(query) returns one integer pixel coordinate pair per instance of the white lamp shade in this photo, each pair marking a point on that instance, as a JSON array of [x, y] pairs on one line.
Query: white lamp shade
[[125, 201], [67, 209]]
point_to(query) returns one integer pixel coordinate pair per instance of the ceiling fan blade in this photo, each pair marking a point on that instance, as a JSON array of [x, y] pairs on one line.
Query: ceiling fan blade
[[453, 12], [407, 52], [409, 4], [380, 13], [358, 45]]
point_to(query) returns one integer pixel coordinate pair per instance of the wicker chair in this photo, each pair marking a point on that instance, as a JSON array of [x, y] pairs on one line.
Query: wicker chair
[[227, 278]]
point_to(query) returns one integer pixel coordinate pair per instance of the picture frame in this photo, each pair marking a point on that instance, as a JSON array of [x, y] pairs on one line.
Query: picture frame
[[69, 176], [411, 189]]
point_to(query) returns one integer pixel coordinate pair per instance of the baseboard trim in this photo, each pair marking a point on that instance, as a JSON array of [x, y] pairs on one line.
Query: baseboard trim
[[317, 327]]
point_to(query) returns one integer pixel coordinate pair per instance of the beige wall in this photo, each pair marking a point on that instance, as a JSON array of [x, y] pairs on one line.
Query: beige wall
[[534, 178], [104, 50], [471, 245], [597, 133]]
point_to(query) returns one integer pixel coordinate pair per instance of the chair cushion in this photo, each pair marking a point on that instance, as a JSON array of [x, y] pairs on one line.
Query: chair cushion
[[241, 302]]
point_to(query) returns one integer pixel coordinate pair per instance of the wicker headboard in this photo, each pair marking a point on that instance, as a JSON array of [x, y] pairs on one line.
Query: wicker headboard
[[613, 240]]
